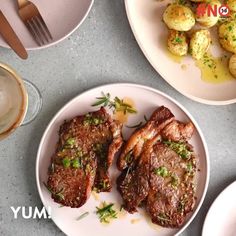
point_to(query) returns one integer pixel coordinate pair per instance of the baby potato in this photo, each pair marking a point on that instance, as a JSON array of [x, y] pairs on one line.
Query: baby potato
[[177, 43], [232, 5], [211, 20], [232, 65], [179, 17], [227, 35], [199, 43]]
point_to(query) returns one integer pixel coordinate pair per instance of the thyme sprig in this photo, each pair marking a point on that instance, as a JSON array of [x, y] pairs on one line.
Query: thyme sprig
[[116, 104]]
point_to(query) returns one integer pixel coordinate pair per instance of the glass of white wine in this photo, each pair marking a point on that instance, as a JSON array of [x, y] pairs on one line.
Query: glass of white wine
[[20, 101]]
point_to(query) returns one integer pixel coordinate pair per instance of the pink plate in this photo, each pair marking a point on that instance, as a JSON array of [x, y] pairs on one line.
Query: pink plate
[[146, 100], [62, 18]]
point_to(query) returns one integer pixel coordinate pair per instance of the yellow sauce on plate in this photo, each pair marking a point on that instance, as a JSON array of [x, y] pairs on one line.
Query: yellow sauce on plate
[[119, 115], [177, 59], [214, 69], [96, 196], [135, 221]]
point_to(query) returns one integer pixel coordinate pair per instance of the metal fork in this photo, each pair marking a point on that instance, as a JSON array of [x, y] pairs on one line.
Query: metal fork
[[33, 20]]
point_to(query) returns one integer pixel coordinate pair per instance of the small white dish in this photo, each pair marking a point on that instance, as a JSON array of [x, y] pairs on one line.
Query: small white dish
[[146, 100], [145, 17], [221, 218], [62, 18]]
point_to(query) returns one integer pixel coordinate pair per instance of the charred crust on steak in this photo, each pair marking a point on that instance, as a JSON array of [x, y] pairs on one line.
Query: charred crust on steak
[[159, 171], [85, 151]]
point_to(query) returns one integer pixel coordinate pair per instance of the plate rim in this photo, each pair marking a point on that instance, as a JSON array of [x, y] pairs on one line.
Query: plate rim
[[214, 203], [142, 87], [197, 99], [60, 39]]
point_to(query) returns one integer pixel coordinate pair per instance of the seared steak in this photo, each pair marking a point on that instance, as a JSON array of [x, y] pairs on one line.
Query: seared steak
[[177, 131], [86, 148], [162, 175], [171, 195], [133, 148]]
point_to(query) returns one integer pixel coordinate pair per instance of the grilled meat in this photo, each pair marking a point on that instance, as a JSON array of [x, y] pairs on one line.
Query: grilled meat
[[171, 195], [177, 131], [85, 151], [133, 148], [161, 176]]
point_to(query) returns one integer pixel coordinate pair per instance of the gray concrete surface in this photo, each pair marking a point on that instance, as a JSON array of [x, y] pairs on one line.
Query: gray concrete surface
[[102, 50]]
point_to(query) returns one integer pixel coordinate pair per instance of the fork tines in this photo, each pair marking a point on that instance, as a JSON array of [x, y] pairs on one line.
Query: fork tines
[[39, 30]]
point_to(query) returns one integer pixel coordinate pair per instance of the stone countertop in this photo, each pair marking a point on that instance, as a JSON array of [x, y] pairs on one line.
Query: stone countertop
[[103, 50]]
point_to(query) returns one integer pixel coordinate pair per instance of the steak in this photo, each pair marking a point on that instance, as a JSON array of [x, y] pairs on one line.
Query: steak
[[171, 195], [161, 176], [133, 148], [85, 151]]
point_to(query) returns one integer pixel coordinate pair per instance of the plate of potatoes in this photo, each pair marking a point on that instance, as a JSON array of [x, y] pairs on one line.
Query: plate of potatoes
[[191, 44]]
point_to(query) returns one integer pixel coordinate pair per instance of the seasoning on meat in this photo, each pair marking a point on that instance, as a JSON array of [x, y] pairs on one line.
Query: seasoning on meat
[[85, 151]]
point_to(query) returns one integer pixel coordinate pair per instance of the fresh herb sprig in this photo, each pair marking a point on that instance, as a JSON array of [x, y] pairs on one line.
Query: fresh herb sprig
[[106, 213], [82, 216], [116, 104]]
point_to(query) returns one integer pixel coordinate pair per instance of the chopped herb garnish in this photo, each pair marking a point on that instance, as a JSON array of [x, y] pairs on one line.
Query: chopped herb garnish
[[180, 148], [66, 162], [91, 120], [174, 180], [76, 163], [117, 104], [189, 167], [70, 141], [106, 213], [178, 40], [161, 171], [82, 216]]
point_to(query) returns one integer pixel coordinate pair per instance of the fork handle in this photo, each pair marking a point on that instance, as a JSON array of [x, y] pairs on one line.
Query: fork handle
[[22, 3]]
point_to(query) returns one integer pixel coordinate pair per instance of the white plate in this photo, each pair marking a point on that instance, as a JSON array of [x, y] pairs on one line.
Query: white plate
[[145, 17], [146, 101], [221, 218], [62, 18]]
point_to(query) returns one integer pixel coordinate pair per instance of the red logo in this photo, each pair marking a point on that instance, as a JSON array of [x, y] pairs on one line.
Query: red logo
[[212, 10]]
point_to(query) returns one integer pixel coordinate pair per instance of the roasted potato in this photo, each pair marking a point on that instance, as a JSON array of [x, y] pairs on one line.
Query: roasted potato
[[232, 65], [211, 20], [227, 36], [199, 43], [179, 17], [232, 5], [177, 43]]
